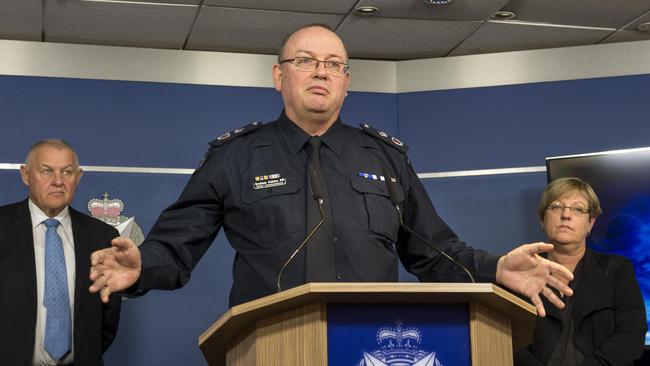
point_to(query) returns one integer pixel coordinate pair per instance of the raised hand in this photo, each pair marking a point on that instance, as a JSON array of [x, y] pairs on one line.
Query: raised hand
[[116, 268], [524, 271]]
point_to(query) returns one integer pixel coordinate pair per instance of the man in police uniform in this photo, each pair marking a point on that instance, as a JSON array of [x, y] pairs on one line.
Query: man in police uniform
[[253, 182]]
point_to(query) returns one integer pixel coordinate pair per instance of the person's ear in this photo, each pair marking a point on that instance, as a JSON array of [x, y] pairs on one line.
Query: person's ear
[[277, 77]]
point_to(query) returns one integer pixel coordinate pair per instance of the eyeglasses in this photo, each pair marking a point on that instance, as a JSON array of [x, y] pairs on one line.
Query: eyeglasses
[[557, 207], [333, 68]]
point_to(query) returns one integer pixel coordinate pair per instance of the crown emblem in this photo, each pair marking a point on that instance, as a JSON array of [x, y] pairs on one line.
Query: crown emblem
[[399, 346], [106, 210], [110, 211]]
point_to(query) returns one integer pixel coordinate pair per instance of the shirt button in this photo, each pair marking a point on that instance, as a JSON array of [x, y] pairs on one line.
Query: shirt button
[[335, 240], [339, 276]]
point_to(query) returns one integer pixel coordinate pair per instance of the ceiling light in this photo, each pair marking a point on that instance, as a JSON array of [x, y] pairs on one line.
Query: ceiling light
[[644, 27], [437, 2], [503, 15], [367, 10]]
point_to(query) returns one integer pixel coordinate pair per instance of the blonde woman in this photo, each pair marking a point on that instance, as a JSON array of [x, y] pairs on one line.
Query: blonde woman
[[604, 322]]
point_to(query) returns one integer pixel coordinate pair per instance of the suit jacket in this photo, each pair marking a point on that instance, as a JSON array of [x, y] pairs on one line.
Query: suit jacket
[[95, 323], [609, 316]]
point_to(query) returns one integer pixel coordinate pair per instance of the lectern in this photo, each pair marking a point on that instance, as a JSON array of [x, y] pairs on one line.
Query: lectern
[[419, 324]]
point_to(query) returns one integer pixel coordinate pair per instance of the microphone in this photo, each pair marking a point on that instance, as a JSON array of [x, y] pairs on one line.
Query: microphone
[[317, 193], [392, 194], [314, 183]]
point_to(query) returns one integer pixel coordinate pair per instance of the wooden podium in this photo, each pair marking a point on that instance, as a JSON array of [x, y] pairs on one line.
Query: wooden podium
[[291, 327]]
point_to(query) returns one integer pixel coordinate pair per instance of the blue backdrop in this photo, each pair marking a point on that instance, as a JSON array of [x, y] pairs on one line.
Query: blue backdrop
[[117, 123]]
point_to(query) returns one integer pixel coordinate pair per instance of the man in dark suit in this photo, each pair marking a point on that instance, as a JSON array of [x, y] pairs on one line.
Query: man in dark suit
[[47, 315]]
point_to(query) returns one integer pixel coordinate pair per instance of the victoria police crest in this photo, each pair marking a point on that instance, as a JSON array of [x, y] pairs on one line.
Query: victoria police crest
[[399, 346]]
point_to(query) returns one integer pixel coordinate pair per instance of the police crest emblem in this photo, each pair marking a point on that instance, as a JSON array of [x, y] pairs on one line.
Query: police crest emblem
[[399, 346]]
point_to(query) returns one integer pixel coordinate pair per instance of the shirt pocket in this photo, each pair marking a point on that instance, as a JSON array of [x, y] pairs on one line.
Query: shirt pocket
[[379, 215], [273, 211]]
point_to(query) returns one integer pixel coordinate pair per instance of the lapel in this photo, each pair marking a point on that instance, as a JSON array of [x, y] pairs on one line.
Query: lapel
[[25, 241], [81, 237], [593, 281]]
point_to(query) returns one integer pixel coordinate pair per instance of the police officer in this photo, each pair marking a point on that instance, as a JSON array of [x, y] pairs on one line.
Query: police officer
[[254, 182]]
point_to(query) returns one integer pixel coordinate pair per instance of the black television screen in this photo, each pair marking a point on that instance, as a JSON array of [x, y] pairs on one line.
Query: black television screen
[[621, 179]]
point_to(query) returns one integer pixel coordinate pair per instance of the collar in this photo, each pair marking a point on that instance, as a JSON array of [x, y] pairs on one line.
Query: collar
[[38, 216], [296, 138], [590, 280]]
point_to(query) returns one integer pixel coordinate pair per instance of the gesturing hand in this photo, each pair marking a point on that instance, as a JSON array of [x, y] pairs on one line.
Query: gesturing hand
[[116, 268], [524, 271]]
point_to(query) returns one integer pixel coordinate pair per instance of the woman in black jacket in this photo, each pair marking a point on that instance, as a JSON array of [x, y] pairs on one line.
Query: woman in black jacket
[[604, 322]]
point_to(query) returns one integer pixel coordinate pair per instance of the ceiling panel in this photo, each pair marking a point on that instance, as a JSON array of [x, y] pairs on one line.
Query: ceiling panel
[[417, 9], [118, 23], [645, 18], [591, 13], [250, 31], [505, 36], [168, 2], [405, 29], [402, 39], [305, 6], [626, 36], [20, 20]]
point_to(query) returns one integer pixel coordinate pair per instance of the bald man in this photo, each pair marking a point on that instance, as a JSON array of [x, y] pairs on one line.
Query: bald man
[[307, 174]]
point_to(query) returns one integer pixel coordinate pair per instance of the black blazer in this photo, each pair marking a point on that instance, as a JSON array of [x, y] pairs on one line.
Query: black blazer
[[609, 316], [95, 323]]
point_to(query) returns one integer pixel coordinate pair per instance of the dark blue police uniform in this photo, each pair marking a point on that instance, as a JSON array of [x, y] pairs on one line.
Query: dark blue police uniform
[[253, 182]]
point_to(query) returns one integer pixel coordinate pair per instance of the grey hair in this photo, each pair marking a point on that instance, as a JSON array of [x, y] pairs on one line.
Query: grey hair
[[54, 143]]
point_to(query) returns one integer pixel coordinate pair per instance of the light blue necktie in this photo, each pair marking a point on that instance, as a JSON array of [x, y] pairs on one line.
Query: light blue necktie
[[56, 300]]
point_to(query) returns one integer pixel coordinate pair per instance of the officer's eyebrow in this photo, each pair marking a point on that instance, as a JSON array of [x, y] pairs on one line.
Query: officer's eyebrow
[[313, 55]]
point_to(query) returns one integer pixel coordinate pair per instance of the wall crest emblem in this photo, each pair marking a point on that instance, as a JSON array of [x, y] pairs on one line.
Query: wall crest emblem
[[110, 211]]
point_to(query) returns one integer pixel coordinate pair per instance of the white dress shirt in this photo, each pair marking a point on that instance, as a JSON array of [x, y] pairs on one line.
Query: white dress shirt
[[41, 357]]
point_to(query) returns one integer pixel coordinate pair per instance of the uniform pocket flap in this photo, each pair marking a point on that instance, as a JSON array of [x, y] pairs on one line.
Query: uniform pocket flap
[[375, 186]]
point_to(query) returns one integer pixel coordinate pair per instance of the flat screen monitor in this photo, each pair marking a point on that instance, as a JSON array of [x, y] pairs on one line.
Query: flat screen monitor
[[621, 180]]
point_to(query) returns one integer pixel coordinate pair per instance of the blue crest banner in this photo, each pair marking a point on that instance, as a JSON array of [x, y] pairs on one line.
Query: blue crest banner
[[398, 334]]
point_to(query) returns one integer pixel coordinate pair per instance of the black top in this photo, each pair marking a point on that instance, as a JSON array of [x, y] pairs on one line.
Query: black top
[[566, 352], [608, 315], [253, 182]]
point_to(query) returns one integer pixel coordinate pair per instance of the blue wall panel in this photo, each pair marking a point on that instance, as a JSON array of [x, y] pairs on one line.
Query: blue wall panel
[[146, 124], [520, 125]]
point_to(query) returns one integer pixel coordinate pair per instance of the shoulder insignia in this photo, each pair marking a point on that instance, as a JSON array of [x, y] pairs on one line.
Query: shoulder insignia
[[228, 136], [390, 140]]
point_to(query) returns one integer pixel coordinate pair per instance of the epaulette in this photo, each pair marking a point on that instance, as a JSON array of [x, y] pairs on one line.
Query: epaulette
[[241, 131], [383, 136]]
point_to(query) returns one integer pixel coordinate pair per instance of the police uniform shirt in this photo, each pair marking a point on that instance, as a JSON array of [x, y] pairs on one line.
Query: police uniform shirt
[[253, 182]]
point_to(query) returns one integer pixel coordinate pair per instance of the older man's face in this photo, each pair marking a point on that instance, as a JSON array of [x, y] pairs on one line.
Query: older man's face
[[312, 93], [52, 178]]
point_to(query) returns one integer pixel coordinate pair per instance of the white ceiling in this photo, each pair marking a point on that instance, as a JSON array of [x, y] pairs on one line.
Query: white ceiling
[[404, 30]]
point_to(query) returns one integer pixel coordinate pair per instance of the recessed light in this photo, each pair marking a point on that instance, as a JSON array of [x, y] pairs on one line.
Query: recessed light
[[367, 10], [503, 15], [644, 27], [437, 2]]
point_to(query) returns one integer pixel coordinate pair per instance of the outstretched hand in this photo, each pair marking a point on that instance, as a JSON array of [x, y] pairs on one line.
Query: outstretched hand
[[116, 268], [524, 271]]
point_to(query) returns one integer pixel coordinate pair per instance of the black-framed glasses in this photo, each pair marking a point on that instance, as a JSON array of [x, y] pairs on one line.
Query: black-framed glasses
[[557, 207], [333, 68]]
